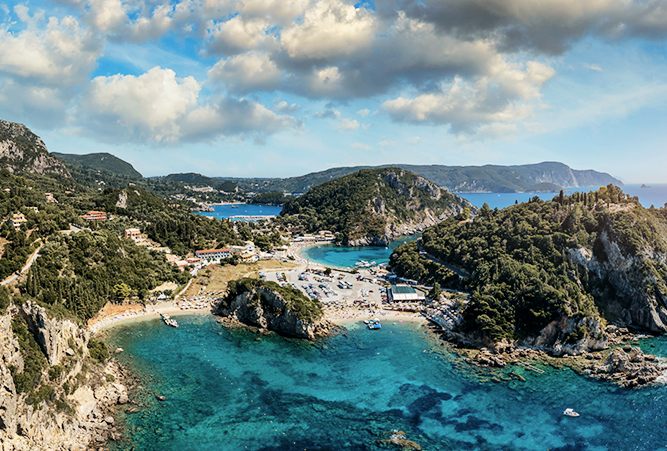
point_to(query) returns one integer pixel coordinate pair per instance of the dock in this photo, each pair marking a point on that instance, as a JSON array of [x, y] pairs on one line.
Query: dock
[[530, 367]]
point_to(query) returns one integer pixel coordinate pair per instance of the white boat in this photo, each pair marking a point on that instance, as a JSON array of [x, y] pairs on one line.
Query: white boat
[[570, 413]]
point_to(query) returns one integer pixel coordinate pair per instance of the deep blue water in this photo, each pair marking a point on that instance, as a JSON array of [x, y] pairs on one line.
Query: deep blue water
[[656, 195], [226, 391], [347, 256], [226, 211]]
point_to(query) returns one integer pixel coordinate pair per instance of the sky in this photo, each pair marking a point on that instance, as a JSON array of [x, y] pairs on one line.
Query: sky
[[279, 88]]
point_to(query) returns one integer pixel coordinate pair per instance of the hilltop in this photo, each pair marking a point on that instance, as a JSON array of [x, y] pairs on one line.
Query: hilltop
[[23, 151], [540, 177], [551, 274], [102, 162], [373, 206]]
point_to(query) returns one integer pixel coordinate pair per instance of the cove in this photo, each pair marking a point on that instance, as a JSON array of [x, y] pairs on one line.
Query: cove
[[347, 256], [226, 391]]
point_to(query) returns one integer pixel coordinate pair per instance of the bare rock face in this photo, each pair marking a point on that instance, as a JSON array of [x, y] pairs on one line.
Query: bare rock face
[[22, 150], [54, 336], [272, 314], [556, 337]]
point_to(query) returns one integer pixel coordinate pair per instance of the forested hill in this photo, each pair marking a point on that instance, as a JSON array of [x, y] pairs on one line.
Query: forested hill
[[102, 162], [372, 206], [545, 272], [541, 177]]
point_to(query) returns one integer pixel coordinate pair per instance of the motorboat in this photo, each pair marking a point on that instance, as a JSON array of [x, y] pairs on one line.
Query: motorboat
[[570, 413], [374, 324]]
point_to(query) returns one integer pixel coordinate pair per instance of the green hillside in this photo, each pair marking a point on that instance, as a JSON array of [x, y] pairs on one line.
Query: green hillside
[[101, 162], [372, 206]]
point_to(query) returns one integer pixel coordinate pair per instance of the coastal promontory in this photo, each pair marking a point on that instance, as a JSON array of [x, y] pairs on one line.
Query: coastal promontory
[[373, 206], [269, 306]]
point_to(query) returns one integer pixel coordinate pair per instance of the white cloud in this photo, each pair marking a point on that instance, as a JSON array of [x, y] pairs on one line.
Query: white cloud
[[285, 107], [414, 140], [386, 143], [237, 35], [360, 146], [347, 124], [246, 72], [331, 113], [330, 28], [159, 107], [363, 113], [594, 67]]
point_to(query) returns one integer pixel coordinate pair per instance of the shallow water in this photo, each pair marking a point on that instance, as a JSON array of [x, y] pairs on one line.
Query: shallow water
[[227, 391], [227, 211], [347, 256]]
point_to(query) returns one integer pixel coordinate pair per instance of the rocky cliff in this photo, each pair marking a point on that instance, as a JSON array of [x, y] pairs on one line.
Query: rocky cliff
[[23, 151], [66, 404], [373, 206], [269, 306]]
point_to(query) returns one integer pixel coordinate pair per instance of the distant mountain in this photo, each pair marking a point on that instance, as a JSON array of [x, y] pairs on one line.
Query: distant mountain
[[373, 206], [101, 162], [192, 178], [23, 151], [540, 177]]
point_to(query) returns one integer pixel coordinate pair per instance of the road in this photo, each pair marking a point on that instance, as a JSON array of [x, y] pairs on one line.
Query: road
[[27, 266]]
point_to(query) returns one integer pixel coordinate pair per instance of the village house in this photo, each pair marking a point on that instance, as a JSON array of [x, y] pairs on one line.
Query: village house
[[50, 198], [214, 254], [133, 234], [17, 220], [94, 216]]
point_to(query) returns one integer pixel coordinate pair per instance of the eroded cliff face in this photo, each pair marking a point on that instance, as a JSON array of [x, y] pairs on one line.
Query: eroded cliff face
[[265, 309], [628, 288], [23, 151], [76, 414]]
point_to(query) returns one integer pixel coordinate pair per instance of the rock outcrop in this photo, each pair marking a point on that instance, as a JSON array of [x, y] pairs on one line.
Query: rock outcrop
[[628, 366], [266, 308], [67, 419], [23, 151]]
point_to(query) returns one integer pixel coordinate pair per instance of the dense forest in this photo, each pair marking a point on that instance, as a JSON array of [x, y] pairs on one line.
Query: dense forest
[[519, 262]]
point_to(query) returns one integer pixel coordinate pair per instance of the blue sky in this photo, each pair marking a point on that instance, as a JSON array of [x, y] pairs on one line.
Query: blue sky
[[276, 88]]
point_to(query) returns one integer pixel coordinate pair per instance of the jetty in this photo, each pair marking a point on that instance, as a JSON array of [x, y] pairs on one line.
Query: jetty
[[253, 217], [530, 367]]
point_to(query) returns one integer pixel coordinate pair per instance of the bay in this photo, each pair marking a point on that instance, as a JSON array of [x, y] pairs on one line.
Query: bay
[[347, 256], [230, 210], [225, 390]]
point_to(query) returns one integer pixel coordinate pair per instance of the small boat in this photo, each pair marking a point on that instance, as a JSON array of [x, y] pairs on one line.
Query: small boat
[[570, 413], [374, 324]]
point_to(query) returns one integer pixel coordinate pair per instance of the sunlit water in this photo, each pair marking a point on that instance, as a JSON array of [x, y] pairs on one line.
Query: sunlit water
[[347, 256], [226, 391], [229, 211]]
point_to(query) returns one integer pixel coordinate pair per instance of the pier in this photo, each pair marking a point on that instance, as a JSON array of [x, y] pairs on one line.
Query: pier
[[253, 218]]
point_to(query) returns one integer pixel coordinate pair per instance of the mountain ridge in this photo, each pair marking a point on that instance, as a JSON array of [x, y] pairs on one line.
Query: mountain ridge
[[102, 161]]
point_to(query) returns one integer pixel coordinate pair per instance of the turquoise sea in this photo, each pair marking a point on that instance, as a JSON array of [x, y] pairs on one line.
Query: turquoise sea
[[655, 195], [227, 211], [227, 391], [347, 256]]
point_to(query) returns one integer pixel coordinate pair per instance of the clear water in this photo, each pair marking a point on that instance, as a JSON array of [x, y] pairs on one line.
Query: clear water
[[656, 195], [347, 256], [226, 391], [226, 211]]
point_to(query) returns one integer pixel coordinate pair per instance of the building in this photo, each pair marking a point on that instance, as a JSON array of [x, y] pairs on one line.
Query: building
[[35, 209], [17, 220], [405, 293], [133, 234], [94, 216], [50, 198], [214, 254], [237, 250]]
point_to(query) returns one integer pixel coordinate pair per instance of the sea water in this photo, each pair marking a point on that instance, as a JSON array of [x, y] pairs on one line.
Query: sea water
[[231, 210], [226, 390], [348, 256]]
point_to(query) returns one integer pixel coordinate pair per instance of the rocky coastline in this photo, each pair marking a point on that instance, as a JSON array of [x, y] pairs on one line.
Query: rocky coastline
[[74, 407], [619, 360]]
